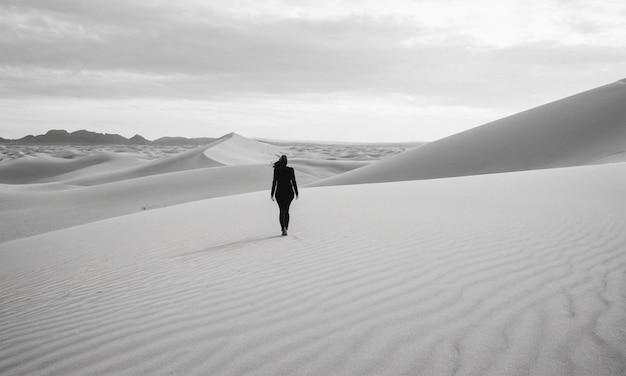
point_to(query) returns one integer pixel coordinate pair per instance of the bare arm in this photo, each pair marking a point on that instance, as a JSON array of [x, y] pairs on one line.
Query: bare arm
[[273, 185], [293, 182]]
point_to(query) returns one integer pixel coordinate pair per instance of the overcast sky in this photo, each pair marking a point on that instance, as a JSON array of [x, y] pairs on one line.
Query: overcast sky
[[349, 70]]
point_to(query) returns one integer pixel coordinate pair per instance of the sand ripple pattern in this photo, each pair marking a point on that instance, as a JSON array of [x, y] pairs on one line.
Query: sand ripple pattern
[[536, 287]]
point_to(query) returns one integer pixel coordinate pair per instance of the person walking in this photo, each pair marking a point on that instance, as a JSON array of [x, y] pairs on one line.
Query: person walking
[[283, 188]]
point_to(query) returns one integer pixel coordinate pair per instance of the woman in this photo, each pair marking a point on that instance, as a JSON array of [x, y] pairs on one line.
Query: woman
[[284, 186]]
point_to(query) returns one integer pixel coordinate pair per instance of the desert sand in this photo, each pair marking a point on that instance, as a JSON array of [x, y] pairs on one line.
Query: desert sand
[[497, 251], [43, 193], [586, 128]]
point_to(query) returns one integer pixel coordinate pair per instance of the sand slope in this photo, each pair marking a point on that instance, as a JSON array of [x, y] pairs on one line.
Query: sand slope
[[586, 128], [239, 150], [105, 185], [41, 168], [229, 150], [39, 208], [99, 168], [505, 274]]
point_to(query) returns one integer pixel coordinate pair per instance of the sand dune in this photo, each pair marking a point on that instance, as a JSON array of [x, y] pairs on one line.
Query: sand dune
[[38, 208], [238, 150], [101, 168], [41, 168], [115, 265], [229, 150], [515, 274], [86, 193], [587, 128]]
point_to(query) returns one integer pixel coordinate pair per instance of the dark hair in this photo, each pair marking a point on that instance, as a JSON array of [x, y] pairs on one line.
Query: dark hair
[[282, 162]]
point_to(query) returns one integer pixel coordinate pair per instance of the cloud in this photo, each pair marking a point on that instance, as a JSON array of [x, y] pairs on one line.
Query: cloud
[[159, 49], [218, 44], [19, 82]]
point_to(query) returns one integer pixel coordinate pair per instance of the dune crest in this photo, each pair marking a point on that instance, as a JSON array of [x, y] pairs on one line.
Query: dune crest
[[237, 150], [587, 128]]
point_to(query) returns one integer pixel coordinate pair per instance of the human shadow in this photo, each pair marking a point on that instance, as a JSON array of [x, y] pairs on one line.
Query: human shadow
[[233, 244]]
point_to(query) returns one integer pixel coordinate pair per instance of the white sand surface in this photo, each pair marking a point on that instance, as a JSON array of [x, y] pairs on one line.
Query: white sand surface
[[106, 167], [215, 154], [37, 208], [505, 274], [41, 168], [499, 273], [107, 185], [586, 128], [242, 151]]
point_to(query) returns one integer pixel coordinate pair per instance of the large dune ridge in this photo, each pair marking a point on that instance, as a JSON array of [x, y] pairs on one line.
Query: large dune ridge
[[586, 128], [499, 273]]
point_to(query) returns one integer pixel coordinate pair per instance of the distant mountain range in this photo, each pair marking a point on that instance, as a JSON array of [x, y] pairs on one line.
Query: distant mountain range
[[84, 137]]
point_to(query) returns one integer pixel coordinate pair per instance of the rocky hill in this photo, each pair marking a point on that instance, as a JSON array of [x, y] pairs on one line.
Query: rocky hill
[[84, 137]]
